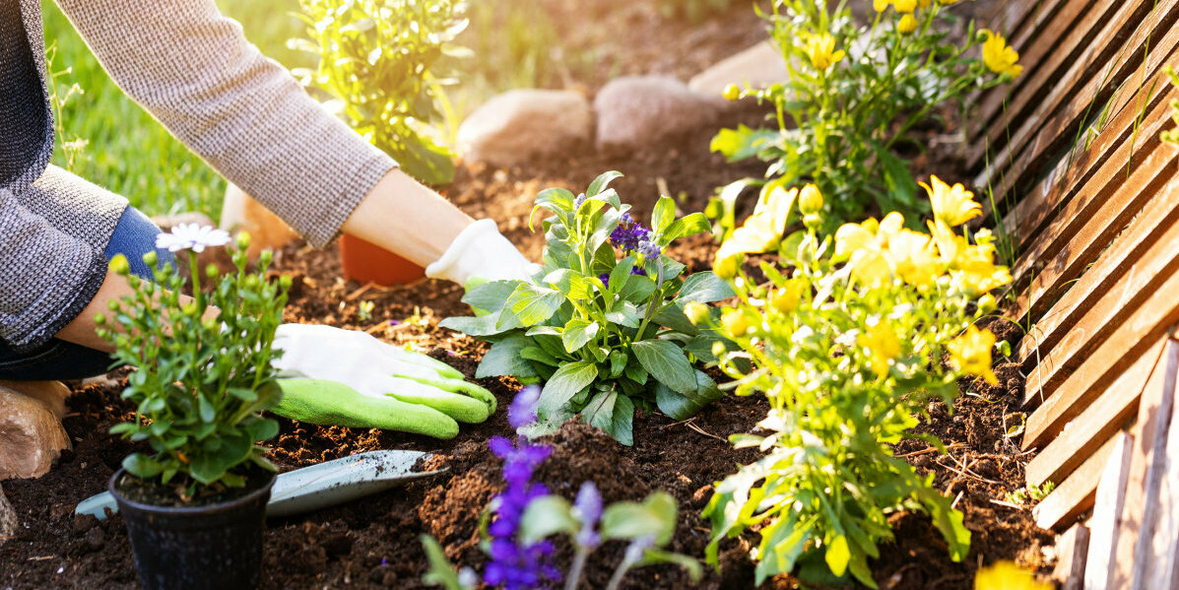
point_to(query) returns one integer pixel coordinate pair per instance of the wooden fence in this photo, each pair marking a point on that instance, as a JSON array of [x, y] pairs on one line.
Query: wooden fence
[[1083, 184]]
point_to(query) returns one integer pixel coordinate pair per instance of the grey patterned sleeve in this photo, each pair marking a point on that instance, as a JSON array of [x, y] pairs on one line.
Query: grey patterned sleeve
[[193, 69], [42, 292]]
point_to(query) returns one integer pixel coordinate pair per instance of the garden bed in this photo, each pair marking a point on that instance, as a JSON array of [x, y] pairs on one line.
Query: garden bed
[[374, 542]]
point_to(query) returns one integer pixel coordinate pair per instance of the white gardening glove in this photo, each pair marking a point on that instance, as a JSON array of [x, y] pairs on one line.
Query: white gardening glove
[[478, 255], [350, 378]]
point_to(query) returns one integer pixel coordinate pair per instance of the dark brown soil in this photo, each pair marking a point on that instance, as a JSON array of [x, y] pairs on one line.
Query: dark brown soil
[[374, 542]]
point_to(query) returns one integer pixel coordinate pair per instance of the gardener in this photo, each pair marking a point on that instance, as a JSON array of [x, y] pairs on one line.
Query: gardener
[[245, 115]]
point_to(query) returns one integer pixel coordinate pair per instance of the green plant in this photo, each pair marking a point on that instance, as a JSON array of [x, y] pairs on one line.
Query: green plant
[[853, 95], [847, 339], [1171, 136], [606, 334], [376, 61], [202, 375], [1030, 494]]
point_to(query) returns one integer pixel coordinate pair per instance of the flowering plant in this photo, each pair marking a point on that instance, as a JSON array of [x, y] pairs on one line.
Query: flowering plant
[[525, 514], [853, 95], [606, 334], [848, 339], [203, 363], [376, 63]]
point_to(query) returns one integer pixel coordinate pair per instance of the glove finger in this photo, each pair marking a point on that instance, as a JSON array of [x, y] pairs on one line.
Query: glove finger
[[456, 385], [331, 403], [460, 407], [418, 359]]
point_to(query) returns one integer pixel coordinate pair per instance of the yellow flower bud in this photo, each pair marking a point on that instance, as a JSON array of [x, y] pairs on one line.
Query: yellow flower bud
[[697, 312], [120, 266], [986, 303], [726, 267], [810, 200], [718, 349], [99, 319], [908, 24], [243, 240], [734, 322], [151, 258], [732, 92], [905, 6]]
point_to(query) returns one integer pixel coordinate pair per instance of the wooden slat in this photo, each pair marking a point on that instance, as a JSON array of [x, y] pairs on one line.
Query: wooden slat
[[1072, 547], [1142, 488], [1099, 421], [1158, 217], [1163, 545], [1090, 78], [1107, 514], [1075, 494], [1158, 263], [1129, 340], [1138, 110], [1016, 17], [1059, 40]]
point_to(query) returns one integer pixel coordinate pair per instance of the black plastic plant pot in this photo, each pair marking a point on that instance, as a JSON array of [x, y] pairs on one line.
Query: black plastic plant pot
[[213, 547]]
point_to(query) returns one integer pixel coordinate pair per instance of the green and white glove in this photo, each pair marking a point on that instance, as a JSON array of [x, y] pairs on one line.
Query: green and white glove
[[480, 254], [350, 378]]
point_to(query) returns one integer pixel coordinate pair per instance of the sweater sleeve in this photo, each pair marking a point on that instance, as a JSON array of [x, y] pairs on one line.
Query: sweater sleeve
[[42, 292], [193, 69]]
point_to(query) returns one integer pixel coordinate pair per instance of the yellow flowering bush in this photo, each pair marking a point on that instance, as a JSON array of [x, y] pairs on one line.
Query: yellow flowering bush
[[849, 337], [854, 93]]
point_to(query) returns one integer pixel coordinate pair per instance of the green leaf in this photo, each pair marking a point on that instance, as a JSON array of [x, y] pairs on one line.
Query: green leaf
[[504, 358], [578, 333], [441, 572], [613, 413], [530, 305], [638, 289], [742, 142], [142, 466], [540, 355], [672, 316], [704, 287], [491, 296], [620, 276], [482, 326], [631, 520], [689, 564], [545, 516], [664, 361], [681, 406], [208, 414], [690, 225], [600, 183], [663, 214], [567, 382], [618, 360], [570, 283], [838, 555]]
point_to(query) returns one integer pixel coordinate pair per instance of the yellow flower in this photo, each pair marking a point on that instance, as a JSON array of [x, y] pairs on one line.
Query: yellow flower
[[864, 246], [998, 56], [786, 298], [908, 24], [760, 232], [821, 50], [881, 5], [954, 205], [810, 200], [916, 261], [732, 92], [905, 6], [883, 344], [735, 323], [697, 312], [1005, 575], [971, 353]]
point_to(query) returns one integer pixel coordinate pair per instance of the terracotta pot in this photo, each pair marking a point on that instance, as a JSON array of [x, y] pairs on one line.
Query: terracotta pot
[[365, 262]]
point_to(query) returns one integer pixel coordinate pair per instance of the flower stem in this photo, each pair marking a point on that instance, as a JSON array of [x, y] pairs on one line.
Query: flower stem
[[574, 578]]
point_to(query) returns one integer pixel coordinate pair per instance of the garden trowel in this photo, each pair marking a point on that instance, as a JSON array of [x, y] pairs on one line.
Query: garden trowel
[[318, 486]]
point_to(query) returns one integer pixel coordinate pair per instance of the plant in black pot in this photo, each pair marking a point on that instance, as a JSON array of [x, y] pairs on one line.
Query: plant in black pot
[[195, 505]]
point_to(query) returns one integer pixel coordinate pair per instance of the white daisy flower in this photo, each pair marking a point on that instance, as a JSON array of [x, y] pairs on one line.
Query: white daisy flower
[[192, 236]]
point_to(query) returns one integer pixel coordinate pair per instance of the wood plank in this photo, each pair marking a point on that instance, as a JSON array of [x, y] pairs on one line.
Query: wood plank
[[1107, 514], [1057, 42], [1101, 420], [1072, 548], [1075, 494], [1039, 201], [1163, 546], [1142, 484], [1090, 78], [1159, 217], [1100, 71], [1111, 307], [1129, 340]]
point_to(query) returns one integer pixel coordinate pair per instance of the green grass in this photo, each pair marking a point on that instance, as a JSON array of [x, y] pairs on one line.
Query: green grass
[[129, 153]]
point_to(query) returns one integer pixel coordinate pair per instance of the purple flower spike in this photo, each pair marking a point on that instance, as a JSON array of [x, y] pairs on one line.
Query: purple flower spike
[[650, 250], [513, 565], [588, 507], [522, 412], [605, 278], [628, 234], [578, 201]]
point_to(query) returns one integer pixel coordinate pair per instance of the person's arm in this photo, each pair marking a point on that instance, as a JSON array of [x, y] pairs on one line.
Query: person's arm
[[82, 329]]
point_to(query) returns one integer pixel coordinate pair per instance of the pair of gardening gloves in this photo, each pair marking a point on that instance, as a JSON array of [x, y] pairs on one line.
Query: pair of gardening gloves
[[350, 378]]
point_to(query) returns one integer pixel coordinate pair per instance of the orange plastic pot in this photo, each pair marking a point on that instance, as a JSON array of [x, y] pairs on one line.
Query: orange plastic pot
[[365, 262]]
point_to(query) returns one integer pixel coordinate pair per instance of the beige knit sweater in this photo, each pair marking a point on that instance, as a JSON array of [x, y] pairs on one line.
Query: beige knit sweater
[[192, 69]]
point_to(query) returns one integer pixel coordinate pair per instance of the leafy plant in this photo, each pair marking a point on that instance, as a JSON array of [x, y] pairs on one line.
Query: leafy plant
[[202, 378], [606, 333], [1030, 494], [847, 337], [853, 95], [1171, 136], [376, 60]]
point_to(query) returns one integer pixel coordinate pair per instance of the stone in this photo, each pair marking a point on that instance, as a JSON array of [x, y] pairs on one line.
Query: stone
[[31, 434], [758, 66], [634, 111], [521, 124], [241, 212], [8, 520]]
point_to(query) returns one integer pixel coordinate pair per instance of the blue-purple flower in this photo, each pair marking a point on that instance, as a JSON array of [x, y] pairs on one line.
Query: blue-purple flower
[[629, 234], [588, 509], [522, 412]]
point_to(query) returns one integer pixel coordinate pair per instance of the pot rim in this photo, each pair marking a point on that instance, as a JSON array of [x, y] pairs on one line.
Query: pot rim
[[215, 508]]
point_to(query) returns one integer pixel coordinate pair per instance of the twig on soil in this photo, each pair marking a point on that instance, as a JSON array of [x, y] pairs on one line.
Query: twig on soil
[[954, 504], [930, 450], [691, 423], [357, 293], [42, 558], [1006, 504]]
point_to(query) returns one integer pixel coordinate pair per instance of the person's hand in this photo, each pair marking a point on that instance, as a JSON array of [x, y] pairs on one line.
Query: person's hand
[[478, 255], [349, 378]]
